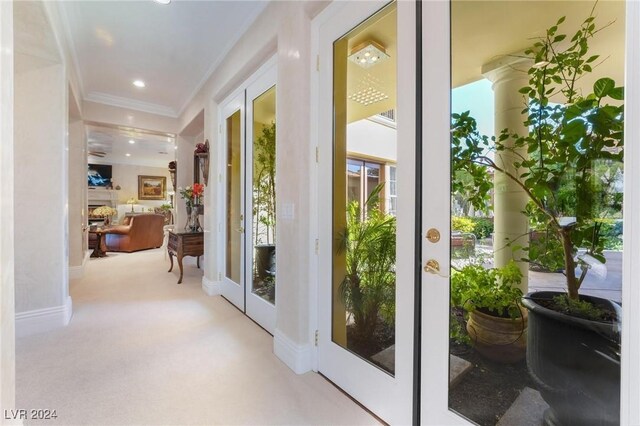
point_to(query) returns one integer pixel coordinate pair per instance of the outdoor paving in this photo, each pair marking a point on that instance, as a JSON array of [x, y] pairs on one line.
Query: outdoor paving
[[603, 280], [527, 410]]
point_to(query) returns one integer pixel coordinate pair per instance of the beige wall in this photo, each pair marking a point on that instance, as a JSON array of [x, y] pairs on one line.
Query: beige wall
[[40, 188], [282, 29], [7, 301]]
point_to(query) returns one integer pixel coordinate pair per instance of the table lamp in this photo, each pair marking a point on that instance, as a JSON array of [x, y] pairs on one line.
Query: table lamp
[[131, 201]]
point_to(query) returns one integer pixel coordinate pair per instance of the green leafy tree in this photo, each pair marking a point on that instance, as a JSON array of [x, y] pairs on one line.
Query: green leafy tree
[[565, 143]]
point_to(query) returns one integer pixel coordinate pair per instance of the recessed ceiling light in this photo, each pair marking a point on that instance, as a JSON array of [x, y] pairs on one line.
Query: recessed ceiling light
[[163, 1], [175, 147], [131, 141], [128, 155], [139, 83]]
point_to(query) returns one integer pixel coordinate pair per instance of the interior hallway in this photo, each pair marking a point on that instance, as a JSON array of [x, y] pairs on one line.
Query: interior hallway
[[141, 349]]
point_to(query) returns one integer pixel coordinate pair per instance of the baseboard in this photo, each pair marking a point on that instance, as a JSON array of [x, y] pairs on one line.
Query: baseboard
[[212, 288], [43, 320], [296, 357], [77, 272]]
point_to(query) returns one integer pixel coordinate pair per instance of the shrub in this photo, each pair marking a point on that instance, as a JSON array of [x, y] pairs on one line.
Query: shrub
[[462, 224]]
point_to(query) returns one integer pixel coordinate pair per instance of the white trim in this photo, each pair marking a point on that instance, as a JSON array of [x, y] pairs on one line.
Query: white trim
[[70, 47], [630, 369], [118, 101], [296, 357], [211, 288], [43, 320], [77, 272]]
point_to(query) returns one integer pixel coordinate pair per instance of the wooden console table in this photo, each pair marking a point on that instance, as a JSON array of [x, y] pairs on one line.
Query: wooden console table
[[183, 244]]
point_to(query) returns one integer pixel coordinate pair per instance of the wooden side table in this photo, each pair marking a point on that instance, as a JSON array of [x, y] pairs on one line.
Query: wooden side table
[[100, 250], [183, 244]]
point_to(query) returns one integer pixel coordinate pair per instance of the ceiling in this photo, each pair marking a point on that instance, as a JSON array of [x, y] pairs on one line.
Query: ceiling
[[150, 149], [173, 48], [482, 31]]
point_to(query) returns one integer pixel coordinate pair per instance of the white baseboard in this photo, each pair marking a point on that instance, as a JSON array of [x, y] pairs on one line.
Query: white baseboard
[[43, 320], [296, 357], [212, 288], [77, 272]]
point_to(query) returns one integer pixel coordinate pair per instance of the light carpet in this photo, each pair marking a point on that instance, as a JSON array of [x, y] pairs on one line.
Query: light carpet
[[141, 349]]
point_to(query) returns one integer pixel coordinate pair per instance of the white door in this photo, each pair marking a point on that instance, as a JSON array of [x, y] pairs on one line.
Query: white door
[[366, 206], [260, 205], [232, 157]]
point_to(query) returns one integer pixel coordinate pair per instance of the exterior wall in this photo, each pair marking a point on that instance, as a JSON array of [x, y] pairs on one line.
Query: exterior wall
[[368, 139], [7, 302], [282, 29]]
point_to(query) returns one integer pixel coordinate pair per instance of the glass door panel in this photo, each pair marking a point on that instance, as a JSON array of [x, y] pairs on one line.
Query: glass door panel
[[365, 344], [234, 215], [261, 197], [536, 204], [264, 196], [232, 199]]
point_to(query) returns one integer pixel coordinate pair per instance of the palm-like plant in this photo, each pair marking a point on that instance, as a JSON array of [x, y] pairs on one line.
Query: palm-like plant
[[368, 289]]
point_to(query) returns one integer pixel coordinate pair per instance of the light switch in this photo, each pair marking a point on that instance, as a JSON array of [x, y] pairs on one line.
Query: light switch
[[288, 211]]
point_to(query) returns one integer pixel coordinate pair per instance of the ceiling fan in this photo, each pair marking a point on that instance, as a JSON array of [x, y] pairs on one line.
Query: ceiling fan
[[97, 153]]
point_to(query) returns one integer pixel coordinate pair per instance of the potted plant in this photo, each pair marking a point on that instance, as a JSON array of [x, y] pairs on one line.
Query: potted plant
[[264, 205], [573, 350], [497, 323], [368, 288]]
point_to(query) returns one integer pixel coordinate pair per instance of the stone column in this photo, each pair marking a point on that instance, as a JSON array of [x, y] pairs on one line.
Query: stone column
[[508, 75]]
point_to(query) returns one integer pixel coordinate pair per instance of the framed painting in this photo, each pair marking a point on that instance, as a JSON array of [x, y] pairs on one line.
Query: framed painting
[[152, 187]]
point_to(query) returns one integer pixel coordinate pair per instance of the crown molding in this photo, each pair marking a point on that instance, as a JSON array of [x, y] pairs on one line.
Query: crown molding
[[251, 18], [117, 101], [71, 49]]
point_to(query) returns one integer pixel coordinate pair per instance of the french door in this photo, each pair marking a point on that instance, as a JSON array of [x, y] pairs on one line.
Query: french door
[[366, 182], [248, 121]]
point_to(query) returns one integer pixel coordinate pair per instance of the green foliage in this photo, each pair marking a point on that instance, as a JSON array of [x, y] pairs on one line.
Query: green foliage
[[568, 161], [482, 226], [462, 224], [577, 308], [490, 289], [368, 289], [264, 185]]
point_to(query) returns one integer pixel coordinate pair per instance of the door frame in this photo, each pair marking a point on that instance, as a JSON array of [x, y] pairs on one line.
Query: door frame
[[321, 141], [234, 292], [436, 123], [262, 312]]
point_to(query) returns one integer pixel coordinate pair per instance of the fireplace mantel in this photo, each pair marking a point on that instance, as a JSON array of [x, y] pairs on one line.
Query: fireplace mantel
[[102, 197]]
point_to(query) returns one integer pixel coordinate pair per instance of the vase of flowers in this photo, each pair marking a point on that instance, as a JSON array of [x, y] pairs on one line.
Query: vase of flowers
[[192, 196]]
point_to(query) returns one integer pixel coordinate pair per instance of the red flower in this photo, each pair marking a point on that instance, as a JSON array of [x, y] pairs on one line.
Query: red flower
[[198, 190]]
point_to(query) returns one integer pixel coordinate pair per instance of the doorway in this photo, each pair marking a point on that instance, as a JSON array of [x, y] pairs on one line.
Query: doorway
[[248, 126]]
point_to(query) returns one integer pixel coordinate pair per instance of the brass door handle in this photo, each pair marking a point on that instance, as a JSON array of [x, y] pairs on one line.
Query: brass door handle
[[432, 266]]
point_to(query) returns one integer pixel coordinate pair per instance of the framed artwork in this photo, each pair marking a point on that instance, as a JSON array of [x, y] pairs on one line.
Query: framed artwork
[[152, 187]]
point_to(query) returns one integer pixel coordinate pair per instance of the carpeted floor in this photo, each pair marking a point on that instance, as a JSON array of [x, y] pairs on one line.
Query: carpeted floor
[[142, 350]]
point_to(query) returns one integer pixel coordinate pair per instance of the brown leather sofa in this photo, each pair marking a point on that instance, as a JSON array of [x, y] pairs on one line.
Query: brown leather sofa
[[139, 232]]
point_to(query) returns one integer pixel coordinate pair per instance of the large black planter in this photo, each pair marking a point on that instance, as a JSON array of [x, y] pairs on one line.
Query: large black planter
[[575, 363]]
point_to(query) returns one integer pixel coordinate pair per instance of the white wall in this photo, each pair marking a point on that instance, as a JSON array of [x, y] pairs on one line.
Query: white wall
[[41, 190], [184, 178], [127, 177], [368, 139], [7, 301], [284, 29], [77, 195], [101, 113]]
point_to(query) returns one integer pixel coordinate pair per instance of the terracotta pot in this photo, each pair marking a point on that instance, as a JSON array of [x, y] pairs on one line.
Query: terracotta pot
[[499, 339]]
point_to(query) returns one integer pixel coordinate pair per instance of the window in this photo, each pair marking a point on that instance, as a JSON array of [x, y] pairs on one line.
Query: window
[[362, 179]]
